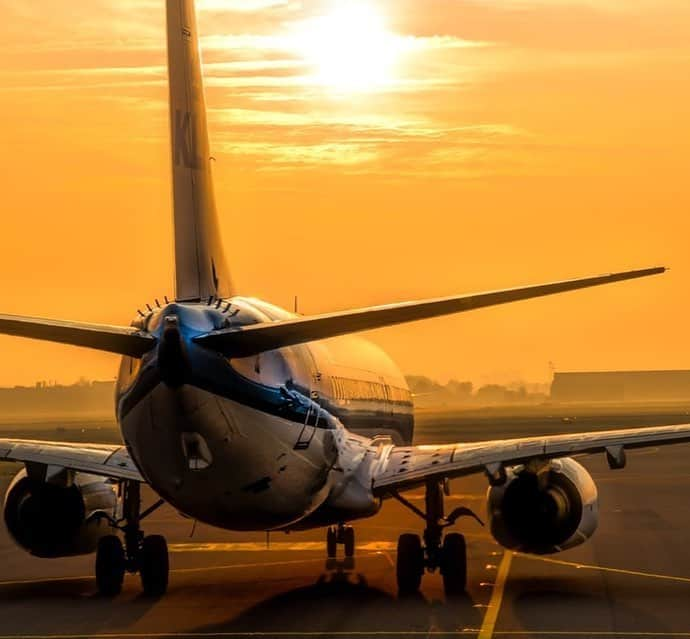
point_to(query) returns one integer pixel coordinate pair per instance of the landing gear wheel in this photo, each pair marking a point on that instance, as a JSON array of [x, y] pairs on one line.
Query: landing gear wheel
[[349, 541], [153, 565], [331, 543], [110, 566], [410, 564], [454, 564]]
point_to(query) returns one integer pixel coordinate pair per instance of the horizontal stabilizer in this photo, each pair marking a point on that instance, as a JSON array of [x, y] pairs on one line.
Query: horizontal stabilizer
[[123, 340], [256, 338]]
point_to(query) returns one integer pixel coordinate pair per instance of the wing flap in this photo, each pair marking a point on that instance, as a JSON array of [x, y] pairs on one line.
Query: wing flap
[[97, 459], [123, 340], [250, 340], [409, 466]]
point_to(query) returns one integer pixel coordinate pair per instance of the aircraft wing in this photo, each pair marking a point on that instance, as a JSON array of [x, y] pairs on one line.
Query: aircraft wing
[[124, 340], [249, 340], [406, 467], [97, 459]]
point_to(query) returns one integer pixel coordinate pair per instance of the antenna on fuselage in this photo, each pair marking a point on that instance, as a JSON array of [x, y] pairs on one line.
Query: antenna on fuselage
[[296, 300]]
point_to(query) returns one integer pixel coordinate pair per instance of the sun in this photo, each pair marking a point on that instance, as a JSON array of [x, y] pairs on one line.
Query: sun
[[350, 48]]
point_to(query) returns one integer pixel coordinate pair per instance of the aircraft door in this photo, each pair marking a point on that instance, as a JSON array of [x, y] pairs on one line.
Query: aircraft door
[[312, 380]]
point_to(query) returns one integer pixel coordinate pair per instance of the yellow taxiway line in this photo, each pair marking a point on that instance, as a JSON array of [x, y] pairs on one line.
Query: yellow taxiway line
[[491, 616], [620, 571]]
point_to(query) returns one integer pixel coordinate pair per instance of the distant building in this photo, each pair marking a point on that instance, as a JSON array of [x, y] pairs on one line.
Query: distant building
[[621, 386], [53, 399]]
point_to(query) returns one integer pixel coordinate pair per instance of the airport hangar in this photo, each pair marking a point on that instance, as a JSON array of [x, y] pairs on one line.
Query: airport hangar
[[621, 386]]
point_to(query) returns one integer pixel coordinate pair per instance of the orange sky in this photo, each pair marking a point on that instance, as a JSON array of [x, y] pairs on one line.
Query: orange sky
[[505, 142]]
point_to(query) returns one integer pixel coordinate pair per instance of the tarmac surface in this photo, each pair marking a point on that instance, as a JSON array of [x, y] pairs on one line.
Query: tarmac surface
[[631, 579]]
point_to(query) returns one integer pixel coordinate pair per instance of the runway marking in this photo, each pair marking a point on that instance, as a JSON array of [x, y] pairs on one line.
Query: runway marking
[[590, 633], [210, 635], [622, 571], [164, 635], [284, 546], [491, 616], [388, 558], [258, 564], [355, 633], [453, 497], [20, 582], [278, 546]]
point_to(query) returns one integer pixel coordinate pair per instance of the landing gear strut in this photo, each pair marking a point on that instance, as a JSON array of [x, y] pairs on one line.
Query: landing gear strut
[[147, 555], [340, 534], [448, 554]]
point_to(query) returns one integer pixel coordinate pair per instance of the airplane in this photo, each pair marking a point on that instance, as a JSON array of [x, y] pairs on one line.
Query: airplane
[[248, 417]]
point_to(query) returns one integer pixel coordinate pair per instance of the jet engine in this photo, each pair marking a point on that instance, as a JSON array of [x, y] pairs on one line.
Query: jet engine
[[544, 510], [59, 516]]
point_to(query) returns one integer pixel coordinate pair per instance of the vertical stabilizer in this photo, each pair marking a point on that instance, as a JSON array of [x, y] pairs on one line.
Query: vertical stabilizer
[[200, 268]]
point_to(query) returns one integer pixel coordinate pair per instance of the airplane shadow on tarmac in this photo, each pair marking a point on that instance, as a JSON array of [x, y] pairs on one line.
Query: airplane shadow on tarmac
[[339, 601], [344, 602], [62, 603]]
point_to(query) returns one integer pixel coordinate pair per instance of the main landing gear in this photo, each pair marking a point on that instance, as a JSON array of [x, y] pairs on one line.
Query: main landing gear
[[147, 555], [448, 554]]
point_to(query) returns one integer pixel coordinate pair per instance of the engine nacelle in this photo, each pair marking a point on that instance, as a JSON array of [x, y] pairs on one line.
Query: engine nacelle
[[59, 517], [545, 514]]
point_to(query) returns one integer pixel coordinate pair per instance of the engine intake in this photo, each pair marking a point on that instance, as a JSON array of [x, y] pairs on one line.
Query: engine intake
[[544, 513], [59, 518]]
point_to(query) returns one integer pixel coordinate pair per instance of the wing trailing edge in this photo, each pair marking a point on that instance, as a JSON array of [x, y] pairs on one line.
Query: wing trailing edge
[[406, 467], [250, 340], [97, 459], [123, 340]]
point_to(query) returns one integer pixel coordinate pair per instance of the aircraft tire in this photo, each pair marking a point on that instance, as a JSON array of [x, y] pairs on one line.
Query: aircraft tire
[[331, 543], [349, 541], [154, 565], [110, 565], [410, 564], [454, 564]]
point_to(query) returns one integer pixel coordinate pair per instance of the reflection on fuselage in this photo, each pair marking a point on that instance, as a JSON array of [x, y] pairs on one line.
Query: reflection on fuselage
[[349, 377]]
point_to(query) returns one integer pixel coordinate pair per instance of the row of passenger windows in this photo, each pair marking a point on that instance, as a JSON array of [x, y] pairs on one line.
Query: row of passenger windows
[[344, 388]]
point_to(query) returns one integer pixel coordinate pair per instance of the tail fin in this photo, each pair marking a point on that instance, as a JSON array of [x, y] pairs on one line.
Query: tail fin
[[200, 268]]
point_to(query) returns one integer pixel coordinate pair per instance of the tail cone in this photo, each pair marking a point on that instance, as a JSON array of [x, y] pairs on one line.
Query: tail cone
[[172, 358]]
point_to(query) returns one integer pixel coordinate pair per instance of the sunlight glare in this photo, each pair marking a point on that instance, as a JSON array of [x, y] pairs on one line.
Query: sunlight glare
[[350, 48]]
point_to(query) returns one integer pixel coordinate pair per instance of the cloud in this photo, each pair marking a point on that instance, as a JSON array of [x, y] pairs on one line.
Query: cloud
[[279, 157], [380, 144], [242, 6], [270, 107]]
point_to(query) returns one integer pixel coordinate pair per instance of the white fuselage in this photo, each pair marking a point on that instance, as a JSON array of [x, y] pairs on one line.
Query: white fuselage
[[280, 440]]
